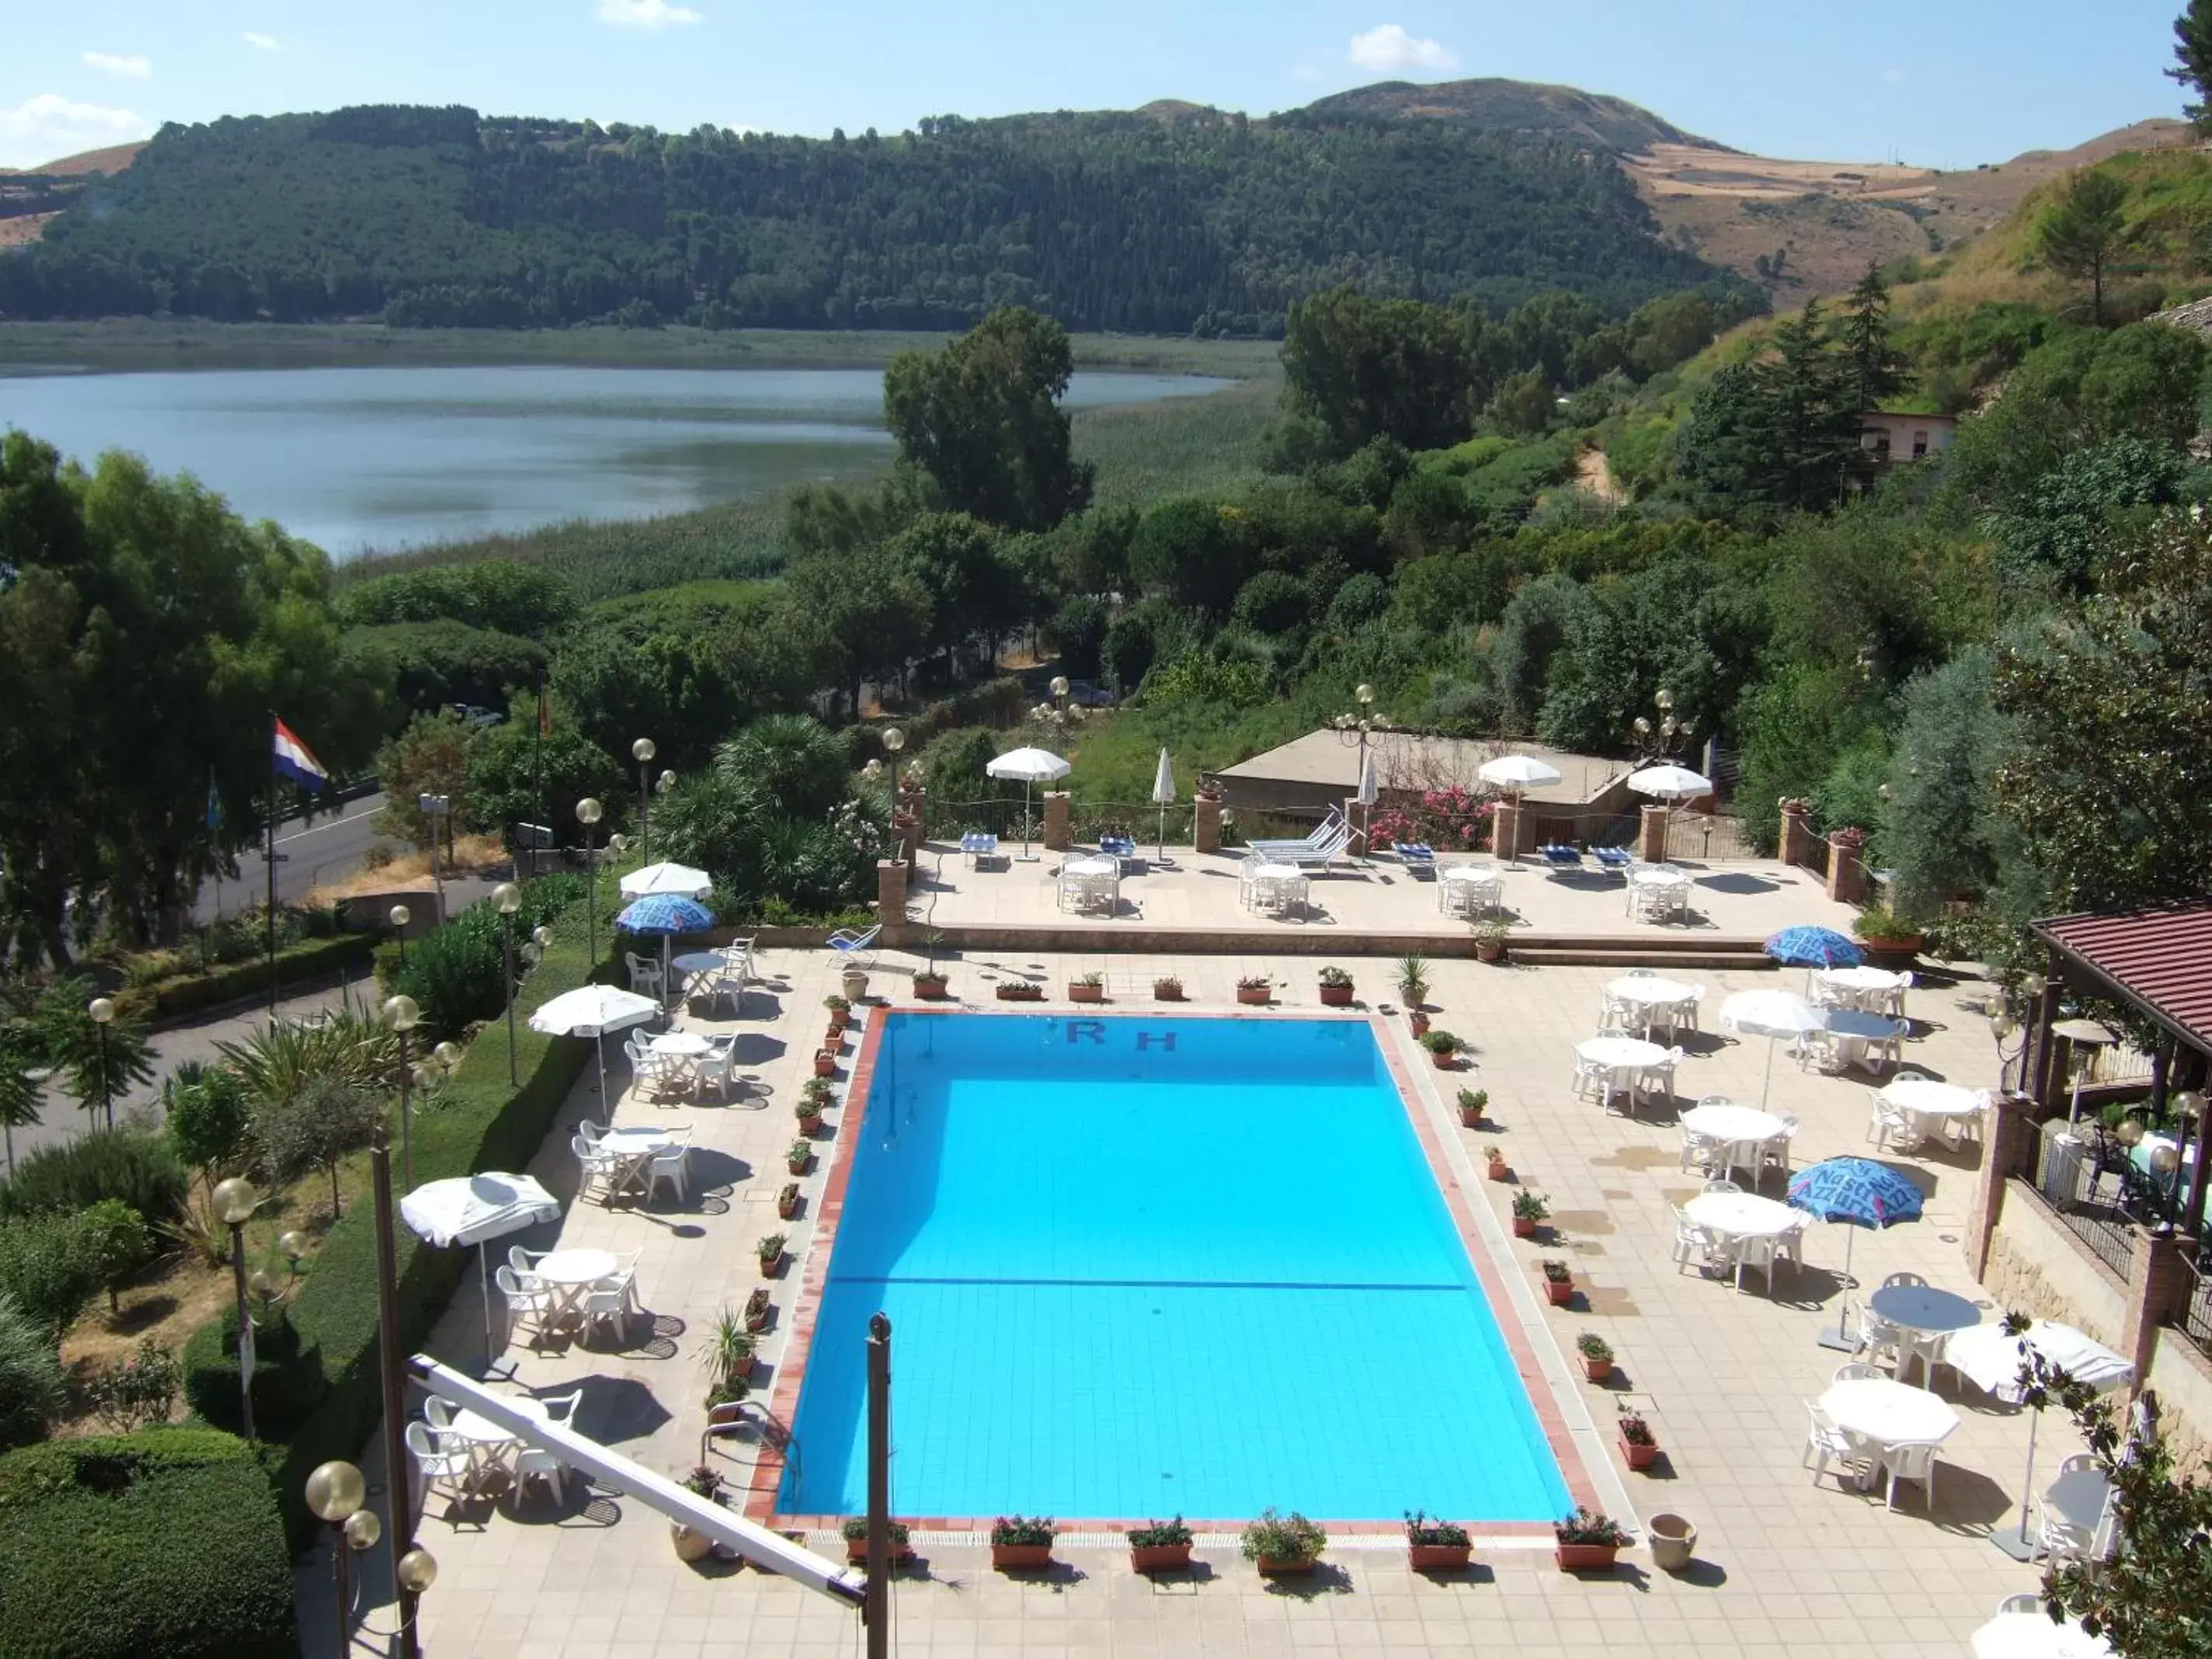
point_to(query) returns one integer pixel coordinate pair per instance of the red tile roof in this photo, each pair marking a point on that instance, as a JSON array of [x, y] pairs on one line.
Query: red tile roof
[[2160, 959]]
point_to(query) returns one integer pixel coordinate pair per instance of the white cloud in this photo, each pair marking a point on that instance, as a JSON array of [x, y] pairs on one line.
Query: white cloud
[[645, 14], [138, 66], [262, 42], [49, 126], [1387, 48]]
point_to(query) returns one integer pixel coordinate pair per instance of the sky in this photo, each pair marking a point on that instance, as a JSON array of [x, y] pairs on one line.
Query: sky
[[1944, 84]]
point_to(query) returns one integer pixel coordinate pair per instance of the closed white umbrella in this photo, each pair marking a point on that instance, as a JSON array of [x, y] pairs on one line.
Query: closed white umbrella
[[1163, 793], [679, 880], [592, 1011], [1030, 766], [1991, 1357], [475, 1210], [1517, 773], [1770, 1014], [1670, 783]]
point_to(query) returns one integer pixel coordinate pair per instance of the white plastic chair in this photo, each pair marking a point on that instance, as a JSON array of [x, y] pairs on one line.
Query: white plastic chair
[[1700, 1152], [1721, 1184], [436, 1463], [1911, 1459], [535, 1462], [1890, 1126], [672, 1166], [1852, 1371], [2025, 1602], [1876, 1336], [1824, 1442], [438, 1413], [1774, 1153], [524, 1262], [1904, 1281], [645, 978], [1757, 1252], [615, 1297], [1686, 1010], [524, 1304], [1691, 1240], [1893, 1001], [595, 1167], [712, 1071]]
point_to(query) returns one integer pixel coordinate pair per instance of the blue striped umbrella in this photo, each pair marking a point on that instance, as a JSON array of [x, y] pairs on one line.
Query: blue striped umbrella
[[1862, 1193], [1814, 947]]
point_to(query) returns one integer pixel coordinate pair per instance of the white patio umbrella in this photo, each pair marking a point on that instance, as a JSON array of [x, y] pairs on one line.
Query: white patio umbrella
[[1163, 793], [680, 879], [1670, 783], [1366, 795], [1991, 1357], [475, 1210], [1770, 1014], [1030, 766], [1517, 773], [2080, 1033], [592, 1011]]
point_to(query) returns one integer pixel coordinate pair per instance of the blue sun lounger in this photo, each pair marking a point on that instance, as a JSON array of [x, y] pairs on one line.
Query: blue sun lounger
[[1560, 858]]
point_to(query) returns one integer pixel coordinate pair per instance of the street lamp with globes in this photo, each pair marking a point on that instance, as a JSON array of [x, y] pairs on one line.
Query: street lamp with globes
[[337, 1493], [400, 916], [403, 1014], [234, 1202], [588, 813], [103, 1015], [507, 899], [642, 752]]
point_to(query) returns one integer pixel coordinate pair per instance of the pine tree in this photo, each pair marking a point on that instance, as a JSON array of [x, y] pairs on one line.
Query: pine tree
[[2084, 232], [1879, 371], [2193, 52], [1807, 391]]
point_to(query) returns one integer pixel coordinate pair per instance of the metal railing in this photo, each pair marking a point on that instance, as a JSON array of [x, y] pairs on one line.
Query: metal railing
[[2194, 1319], [2092, 1185], [1708, 838]]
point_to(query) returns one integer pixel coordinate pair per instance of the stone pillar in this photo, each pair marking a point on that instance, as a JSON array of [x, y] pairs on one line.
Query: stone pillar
[[1651, 835], [1847, 876], [1206, 823], [2158, 1285], [1505, 831], [1056, 834], [890, 897], [2008, 1130], [1797, 832], [1358, 814]]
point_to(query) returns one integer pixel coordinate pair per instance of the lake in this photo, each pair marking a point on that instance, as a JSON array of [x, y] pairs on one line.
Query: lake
[[354, 458]]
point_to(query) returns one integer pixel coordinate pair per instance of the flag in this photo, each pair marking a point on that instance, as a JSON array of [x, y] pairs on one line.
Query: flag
[[215, 808], [295, 760]]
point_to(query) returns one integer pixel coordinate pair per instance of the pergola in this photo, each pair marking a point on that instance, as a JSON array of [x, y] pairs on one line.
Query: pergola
[[2157, 963]]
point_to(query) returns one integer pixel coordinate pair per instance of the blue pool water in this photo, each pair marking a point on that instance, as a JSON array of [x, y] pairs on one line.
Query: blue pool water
[[1138, 1266]]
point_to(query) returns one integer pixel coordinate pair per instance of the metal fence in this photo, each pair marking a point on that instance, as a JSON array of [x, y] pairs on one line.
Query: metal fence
[[2194, 1319], [2094, 1186], [1708, 838]]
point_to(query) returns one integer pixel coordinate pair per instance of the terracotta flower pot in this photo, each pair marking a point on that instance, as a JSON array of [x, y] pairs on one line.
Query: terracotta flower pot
[[834, 1039], [1444, 1059], [1086, 993], [786, 1206], [1419, 1024], [1285, 1566], [1336, 996], [1470, 1117], [1439, 1558], [825, 1063], [1165, 992], [838, 1020], [1499, 1172], [1558, 1291], [771, 1266], [856, 1553], [810, 1123], [1255, 996], [694, 1546], [1016, 991], [1158, 1557], [1523, 1227], [1584, 1558], [1021, 1557], [1596, 1370], [930, 988], [1636, 1456], [757, 1322], [800, 1166], [1489, 950]]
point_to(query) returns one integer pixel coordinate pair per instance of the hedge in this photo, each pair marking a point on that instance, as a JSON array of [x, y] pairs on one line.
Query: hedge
[[119, 1547], [323, 1397], [310, 959]]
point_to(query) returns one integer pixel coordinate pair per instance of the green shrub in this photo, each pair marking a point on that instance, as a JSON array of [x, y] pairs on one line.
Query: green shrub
[[457, 972], [137, 1393], [49, 1268], [32, 1392], [121, 1241], [142, 1170], [245, 971], [288, 1375], [166, 1541]]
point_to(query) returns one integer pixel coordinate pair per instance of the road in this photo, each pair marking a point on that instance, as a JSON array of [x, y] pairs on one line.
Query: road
[[330, 846]]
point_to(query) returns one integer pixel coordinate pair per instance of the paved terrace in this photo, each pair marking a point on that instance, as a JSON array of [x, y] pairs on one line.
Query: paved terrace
[[1785, 1566]]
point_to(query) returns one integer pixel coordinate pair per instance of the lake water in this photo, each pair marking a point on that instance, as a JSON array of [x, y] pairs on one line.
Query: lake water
[[354, 458]]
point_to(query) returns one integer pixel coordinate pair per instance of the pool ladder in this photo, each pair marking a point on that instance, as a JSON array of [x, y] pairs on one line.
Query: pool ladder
[[749, 1416]]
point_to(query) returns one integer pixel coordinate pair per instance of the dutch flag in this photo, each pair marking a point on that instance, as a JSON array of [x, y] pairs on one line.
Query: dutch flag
[[295, 760]]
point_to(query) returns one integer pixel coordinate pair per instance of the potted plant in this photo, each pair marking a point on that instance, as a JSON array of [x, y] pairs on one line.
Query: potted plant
[[808, 1110], [1639, 1447], [728, 1357], [841, 1012], [1087, 988], [929, 984], [1886, 934], [757, 1309], [825, 1062], [854, 983], [1673, 1541], [1597, 1356], [855, 1530], [1159, 1546], [1413, 979], [1530, 1211], [787, 1202], [1496, 1156], [1280, 1544], [1019, 990], [1335, 989], [1586, 1542], [1436, 1546], [1473, 1106], [770, 1251], [1254, 990], [1167, 988], [1022, 1540], [704, 1481], [799, 1157], [1559, 1282], [1490, 936], [1443, 1049]]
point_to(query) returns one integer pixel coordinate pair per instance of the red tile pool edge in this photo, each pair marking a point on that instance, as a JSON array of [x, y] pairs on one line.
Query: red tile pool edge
[[790, 1373]]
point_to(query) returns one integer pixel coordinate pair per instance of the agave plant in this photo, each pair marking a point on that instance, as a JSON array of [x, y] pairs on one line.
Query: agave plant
[[281, 1058]]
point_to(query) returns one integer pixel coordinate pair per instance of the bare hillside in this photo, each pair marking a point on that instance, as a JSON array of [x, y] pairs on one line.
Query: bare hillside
[[113, 159]]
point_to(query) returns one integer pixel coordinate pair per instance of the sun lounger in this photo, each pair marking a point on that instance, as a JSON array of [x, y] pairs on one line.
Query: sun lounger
[[1320, 833], [1314, 857], [1417, 856], [1560, 858], [1615, 859], [1117, 847], [979, 845]]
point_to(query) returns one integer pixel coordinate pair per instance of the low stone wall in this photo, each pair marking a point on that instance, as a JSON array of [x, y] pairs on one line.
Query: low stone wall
[[2038, 1266], [2182, 1378]]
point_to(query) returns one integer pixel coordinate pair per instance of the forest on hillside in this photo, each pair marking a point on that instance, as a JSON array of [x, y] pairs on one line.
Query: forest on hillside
[[1201, 222]]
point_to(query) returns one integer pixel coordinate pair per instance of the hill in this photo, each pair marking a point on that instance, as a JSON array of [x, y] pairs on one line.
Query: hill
[[1169, 221], [1828, 220], [1528, 108], [33, 199]]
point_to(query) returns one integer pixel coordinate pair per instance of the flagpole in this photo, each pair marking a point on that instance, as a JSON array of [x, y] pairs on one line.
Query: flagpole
[[268, 865]]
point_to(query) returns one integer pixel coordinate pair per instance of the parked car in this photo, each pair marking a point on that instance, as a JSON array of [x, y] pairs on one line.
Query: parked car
[[476, 716]]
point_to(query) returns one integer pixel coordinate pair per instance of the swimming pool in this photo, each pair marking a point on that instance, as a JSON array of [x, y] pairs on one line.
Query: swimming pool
[[1138, 1266]]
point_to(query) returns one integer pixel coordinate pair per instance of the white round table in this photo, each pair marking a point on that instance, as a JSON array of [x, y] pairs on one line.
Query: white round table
[[1743, 1215], [1930, 1098], [1620, 1053], [1866, 1027], [1108, 868], [483, 1431], [1924, 1308], [706, 961], [1644, 989], [641, 1137], [2033, 1635], [682, 1045], [1470, 872], [1733, 1123], [1658, 875], [1888, 1414], [576, 1266], [1861, 979]]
